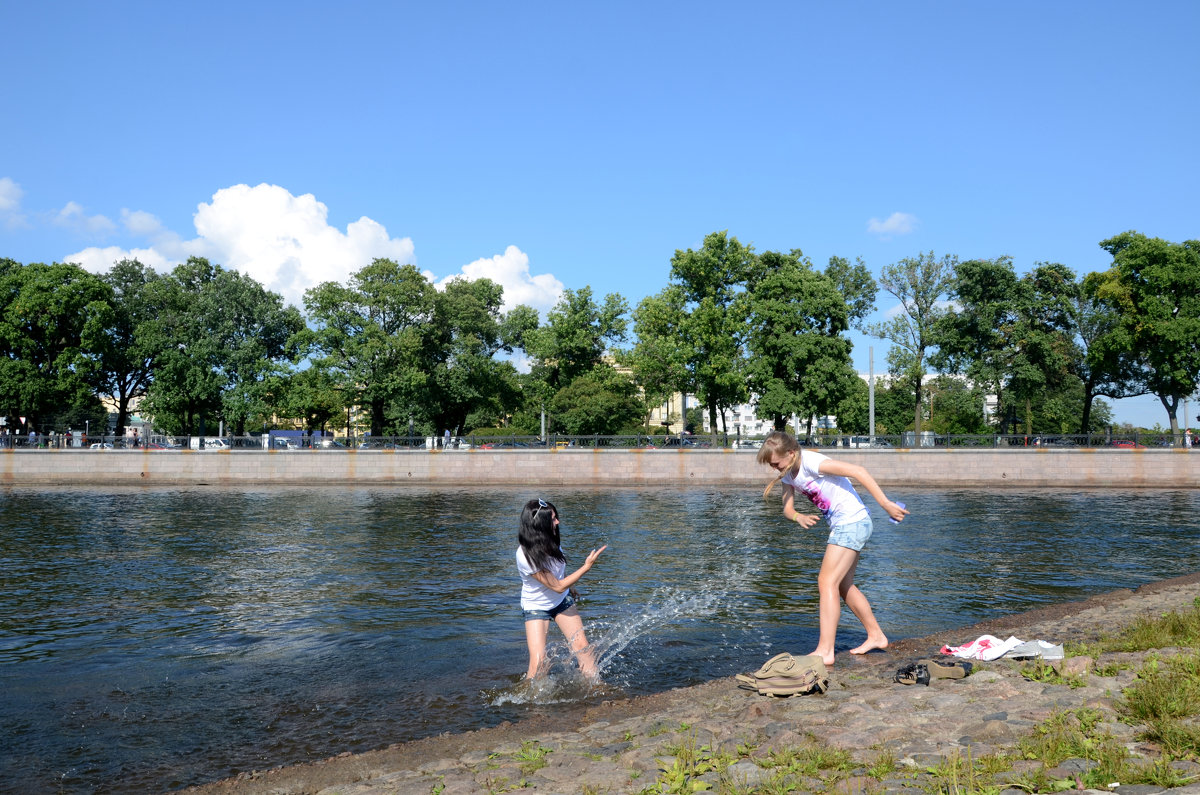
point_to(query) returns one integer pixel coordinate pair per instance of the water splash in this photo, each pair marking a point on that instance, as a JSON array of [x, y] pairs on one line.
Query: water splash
[[559, 679]]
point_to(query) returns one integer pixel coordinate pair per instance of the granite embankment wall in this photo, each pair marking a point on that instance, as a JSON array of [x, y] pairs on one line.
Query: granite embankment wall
[[940, 468]]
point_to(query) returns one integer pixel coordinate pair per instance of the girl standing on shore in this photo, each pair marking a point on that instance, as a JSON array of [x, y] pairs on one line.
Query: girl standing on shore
[[825, 482], [547, 591]]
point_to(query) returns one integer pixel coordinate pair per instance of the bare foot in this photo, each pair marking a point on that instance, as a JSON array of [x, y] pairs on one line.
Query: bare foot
[[871, 644], [825, 658]]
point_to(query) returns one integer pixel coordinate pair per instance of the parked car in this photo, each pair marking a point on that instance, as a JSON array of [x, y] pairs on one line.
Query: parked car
[[748, 444], [101, 445], [866, 441], [1126, 443]]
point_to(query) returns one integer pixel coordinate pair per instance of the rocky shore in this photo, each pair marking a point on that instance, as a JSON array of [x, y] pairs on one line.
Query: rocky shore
[[624, 746]]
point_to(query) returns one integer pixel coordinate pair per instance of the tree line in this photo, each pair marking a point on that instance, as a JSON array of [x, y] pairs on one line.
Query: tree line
[[389, 352]]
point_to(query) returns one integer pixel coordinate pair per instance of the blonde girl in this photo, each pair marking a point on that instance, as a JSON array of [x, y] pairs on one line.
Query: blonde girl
[[826, 484]]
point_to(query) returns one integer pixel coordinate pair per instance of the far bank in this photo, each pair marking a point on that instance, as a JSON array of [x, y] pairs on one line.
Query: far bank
[[999, 468]]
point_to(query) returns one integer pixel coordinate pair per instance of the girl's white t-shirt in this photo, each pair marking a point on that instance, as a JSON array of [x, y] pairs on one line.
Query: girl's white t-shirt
[[833, 495], [534, 594]]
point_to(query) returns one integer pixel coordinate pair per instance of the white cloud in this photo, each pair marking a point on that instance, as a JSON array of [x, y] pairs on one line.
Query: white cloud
[[511, 271], [10, 203], [896, 224], [72, 216], [286, 243]]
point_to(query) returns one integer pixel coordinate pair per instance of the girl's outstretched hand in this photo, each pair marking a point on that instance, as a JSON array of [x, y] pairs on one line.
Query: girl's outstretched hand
[[595, 553]]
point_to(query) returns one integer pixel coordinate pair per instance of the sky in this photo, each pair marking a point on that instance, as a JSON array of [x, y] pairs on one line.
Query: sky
[[553, 146]]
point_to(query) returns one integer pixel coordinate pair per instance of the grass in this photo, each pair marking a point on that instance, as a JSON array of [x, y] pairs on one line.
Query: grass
[[1163, 701]]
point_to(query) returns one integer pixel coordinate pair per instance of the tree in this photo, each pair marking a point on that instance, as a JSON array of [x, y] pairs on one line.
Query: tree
[[712, 329], [469, 331], [1042, 351], [920, 285], [374, 336], [855, 283], [656, 359], [1107, 364], [219, 337], [795, 317], [600, 401], [50, 318], [312, 395], [126, 353], [1155, 285], [973, 334], [955, 406], [577, 333]]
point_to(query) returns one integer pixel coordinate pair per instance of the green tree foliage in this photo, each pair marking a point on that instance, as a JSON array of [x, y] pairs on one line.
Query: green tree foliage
[[1044, 352], [219, 337], [601, 401], [893, 407], [975, 333], [955, 406], [577, 334], [312, 395], [799, 361], [1107, 363], [712, 330], [469, 331], [656, 360], [374, 336], [572, 344], [1155, 286], [51, 317], [856, 284], [126, 354]]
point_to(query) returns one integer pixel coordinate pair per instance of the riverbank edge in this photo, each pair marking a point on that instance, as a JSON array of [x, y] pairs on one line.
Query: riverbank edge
[[947, 467], [862, 710]]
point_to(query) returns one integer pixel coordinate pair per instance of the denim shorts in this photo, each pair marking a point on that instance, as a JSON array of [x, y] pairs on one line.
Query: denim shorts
[[852, 536], [546, 615]]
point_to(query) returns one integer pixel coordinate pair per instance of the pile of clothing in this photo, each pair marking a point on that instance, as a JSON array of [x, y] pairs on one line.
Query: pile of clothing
[[989, 647]]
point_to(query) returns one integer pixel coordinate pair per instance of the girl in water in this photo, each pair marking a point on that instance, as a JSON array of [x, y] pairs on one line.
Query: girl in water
[[547, 591], [825, 482]]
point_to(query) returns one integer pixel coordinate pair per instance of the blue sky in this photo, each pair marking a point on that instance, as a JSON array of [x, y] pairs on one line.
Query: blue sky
[[564, 145]]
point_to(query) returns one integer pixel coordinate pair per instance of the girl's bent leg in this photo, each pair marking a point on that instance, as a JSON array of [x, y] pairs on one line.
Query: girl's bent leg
[[858, 604], [535, 639], [571, 625], [835, 583]]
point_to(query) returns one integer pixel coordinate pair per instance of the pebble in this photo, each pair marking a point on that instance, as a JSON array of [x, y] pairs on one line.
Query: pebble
[[623, 746]]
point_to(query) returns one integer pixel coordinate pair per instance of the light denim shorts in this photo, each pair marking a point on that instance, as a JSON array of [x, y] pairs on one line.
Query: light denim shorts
[[547, 615], [852, 536]]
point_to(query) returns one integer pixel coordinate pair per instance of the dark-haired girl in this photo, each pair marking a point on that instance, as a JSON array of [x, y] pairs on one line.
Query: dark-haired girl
[[547, 589]]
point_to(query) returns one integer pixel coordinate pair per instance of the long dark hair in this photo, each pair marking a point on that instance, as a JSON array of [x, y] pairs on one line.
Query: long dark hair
[[539, 536]]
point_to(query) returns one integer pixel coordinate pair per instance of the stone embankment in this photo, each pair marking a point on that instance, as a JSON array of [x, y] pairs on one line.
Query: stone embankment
[[1002, 467], [623, 746]]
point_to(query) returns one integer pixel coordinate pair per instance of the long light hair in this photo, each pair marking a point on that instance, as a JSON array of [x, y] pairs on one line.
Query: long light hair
[[776, 443]]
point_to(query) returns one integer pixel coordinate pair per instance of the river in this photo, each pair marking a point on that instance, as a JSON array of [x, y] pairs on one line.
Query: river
[[156, 638]]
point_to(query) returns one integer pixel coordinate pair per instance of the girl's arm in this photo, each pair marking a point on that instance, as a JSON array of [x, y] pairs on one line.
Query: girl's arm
[[558, 586], [805, 520], [840, 468]]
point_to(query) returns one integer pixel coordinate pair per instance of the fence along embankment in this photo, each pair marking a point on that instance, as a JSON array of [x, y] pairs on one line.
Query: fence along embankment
[[935, 468]]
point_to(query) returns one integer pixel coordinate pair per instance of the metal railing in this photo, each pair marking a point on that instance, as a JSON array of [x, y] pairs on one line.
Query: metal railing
[[879, 442]]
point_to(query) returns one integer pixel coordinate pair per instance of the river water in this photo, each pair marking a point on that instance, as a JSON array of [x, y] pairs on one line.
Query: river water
[[152, 639]]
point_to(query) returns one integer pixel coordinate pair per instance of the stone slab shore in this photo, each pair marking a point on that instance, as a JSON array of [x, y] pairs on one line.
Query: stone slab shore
[[620, 746]]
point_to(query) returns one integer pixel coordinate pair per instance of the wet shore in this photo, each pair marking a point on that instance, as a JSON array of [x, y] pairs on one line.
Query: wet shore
[[622, 745]]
